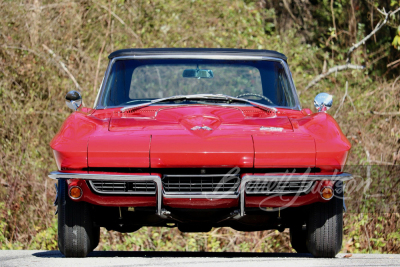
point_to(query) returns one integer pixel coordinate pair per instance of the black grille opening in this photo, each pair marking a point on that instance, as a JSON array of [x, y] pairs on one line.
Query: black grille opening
[[278, 187], [176, 184], [136, 188]]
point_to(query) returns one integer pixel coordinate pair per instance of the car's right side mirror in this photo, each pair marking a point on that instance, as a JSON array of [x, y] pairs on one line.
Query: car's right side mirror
[[323, 102]]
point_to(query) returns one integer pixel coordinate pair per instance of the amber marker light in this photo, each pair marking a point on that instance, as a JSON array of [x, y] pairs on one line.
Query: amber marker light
[[75, 192], [327, 193]]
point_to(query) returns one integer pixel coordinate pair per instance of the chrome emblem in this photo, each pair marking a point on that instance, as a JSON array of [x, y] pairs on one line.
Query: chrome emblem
[[201, 128], [271, 129]]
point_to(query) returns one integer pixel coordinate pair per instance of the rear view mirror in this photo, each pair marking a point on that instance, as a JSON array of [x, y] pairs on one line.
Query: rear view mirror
[[197, 73]]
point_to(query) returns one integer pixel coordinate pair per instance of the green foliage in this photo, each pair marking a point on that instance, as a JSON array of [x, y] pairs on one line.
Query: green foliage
[[81, 34], [44, 238]]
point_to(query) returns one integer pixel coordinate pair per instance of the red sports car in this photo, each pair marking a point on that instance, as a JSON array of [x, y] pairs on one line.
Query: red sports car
[[196, 139]]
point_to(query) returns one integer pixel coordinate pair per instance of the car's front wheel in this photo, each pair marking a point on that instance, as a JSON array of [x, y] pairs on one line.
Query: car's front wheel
[[325, 227], [77, 235]]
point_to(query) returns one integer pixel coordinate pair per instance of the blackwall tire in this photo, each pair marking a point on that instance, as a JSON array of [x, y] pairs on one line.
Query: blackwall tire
[[325, 227], [298, 239], [77, 235]]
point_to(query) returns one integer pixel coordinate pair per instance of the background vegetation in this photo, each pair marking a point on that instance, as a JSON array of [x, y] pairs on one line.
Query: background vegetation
[[50, 47]]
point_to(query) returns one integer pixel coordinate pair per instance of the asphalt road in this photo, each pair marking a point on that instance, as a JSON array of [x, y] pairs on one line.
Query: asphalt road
[[42, 258]]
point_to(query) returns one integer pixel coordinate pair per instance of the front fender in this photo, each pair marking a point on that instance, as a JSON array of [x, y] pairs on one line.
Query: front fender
[[331, 145]]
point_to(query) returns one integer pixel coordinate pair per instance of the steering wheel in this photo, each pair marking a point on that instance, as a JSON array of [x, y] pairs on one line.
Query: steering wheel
[[260, 96]]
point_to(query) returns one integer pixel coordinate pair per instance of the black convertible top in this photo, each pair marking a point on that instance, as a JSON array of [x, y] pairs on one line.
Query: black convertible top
[[198, 51]]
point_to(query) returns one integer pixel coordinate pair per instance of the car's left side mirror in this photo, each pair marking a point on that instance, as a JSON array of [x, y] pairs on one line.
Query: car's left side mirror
[[323, 102], [73, 99]]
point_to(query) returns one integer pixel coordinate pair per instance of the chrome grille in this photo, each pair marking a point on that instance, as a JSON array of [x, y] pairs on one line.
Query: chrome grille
[[278, 187], [200, 184], [114, 187]]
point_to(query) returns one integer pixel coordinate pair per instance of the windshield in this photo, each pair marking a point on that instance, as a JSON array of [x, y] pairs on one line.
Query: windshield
[[133, 82]]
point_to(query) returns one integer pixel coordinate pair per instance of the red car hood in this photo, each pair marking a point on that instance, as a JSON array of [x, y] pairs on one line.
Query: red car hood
[[200, 136]]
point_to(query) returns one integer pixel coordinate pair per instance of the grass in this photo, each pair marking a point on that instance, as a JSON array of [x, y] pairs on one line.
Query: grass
[[83, 33]]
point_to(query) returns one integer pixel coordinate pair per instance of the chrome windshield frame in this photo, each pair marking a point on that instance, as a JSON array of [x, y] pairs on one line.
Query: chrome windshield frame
[[101, 92]]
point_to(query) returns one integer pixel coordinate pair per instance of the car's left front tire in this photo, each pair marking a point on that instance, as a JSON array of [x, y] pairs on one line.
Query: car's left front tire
[[325, 226]]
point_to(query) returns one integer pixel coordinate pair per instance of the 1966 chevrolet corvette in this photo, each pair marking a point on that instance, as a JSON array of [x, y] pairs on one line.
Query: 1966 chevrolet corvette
[[195, 139]]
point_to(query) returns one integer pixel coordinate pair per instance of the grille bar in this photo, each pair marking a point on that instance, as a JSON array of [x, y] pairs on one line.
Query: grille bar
[[201, 184], [278, 187], [125, 188]]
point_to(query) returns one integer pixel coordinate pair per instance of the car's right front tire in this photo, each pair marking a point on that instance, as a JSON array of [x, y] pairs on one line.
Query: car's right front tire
[[77, 234]]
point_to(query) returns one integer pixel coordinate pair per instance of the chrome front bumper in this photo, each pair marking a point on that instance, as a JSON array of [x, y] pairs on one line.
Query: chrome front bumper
[[159, 188]]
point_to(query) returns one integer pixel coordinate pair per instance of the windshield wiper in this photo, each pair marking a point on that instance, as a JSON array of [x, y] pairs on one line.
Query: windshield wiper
[[199, 96]]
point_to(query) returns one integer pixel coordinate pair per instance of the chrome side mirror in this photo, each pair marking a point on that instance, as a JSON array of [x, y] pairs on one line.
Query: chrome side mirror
[[73, 100], [323, 102]]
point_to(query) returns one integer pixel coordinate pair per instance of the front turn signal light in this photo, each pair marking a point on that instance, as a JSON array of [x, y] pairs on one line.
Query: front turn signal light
[[75, 192], [327, 193]]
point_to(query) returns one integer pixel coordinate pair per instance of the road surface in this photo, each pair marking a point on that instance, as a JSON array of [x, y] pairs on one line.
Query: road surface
[[40, 258]]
